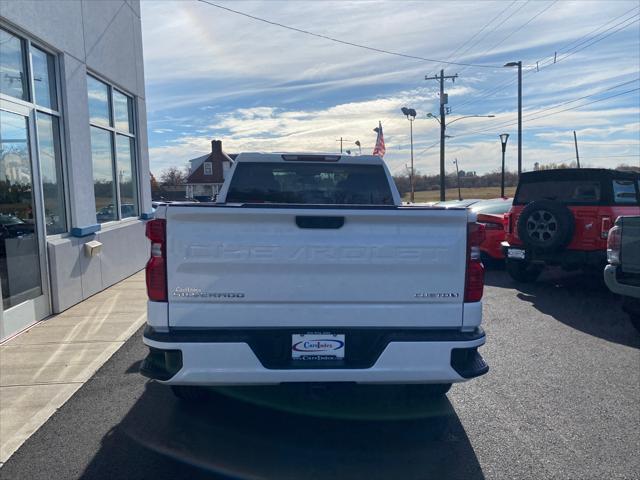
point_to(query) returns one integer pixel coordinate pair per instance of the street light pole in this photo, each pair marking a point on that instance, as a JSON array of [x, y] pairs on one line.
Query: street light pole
[[443, 136], [413, 185], [410, 113], [519, 65], [443, 126], [503, 140]]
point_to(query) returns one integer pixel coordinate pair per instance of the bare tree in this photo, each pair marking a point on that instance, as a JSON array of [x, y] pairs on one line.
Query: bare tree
[[173, 176]]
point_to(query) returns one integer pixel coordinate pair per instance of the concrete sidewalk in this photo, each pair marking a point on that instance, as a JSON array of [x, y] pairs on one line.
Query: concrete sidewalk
[[42, 368]]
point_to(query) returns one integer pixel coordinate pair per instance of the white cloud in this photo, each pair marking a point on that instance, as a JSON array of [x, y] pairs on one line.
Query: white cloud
[[245, 65]]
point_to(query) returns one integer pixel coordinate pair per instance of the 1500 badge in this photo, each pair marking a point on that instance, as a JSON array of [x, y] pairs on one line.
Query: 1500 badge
[[198, 293]]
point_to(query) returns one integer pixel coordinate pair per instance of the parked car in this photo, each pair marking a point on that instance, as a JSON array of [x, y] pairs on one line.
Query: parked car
[[491, 214], [562, 217], [309, 269], [464, 203], [12, 226], [106, 213], [622, 274]]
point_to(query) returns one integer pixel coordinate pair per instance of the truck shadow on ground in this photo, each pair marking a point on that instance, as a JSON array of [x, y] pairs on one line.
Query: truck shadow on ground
[[579, 300], [229, 436]]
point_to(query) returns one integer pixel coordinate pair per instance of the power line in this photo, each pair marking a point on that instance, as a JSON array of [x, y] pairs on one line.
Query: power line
[[564, 110], [534, 69], [616, 156], [582, 98], [522, 26], [517, 29], [601, 38], [493, 29], [343, 42], [578, 41], [470, 47], [598, 144], [451, 55], [552, 60], [549, 114], [501, 87], [430, 146], [507, 123]]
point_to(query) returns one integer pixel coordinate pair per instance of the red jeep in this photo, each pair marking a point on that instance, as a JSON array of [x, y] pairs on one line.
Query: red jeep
[[562, 217]]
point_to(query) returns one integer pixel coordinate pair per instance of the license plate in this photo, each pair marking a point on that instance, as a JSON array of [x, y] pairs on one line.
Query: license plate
[[516, 253], [317, 346]]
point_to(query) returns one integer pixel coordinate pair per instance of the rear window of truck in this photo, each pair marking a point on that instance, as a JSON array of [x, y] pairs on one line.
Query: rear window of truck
[[309, 183]]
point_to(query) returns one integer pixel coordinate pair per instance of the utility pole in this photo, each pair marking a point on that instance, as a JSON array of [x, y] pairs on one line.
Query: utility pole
[[575, 141], [443, 101], [343, 140], [458, 178]]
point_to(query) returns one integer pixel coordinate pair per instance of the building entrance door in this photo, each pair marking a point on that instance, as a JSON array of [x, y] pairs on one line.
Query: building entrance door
[[23, 269]]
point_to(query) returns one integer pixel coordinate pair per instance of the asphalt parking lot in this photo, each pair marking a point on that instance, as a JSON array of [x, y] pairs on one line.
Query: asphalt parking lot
[[562, 400]]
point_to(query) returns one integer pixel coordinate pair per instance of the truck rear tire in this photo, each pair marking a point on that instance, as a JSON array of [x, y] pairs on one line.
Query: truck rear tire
[[635, 321], [189, 393], [522, 271]]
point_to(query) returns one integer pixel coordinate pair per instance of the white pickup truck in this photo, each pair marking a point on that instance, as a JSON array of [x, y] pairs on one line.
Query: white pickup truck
[[307, 268]]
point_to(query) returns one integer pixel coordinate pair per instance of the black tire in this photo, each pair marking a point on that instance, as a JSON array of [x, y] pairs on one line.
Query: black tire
[[522, 271], [546, 226], [431, 390], [189, 393], [635, 321]]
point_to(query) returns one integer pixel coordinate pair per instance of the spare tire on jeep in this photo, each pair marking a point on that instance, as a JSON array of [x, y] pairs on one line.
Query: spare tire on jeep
[[546, 226]]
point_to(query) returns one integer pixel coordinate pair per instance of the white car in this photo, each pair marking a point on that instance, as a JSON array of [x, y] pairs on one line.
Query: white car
[[309, 269]]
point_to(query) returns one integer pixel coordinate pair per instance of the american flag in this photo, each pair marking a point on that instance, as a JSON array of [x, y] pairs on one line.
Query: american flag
[[379, 149]]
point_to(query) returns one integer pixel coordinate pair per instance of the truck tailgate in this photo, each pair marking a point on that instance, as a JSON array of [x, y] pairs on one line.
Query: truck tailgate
[[266, 267]]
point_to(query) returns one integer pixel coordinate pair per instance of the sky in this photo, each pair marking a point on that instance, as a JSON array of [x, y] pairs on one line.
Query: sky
[[215, 74]]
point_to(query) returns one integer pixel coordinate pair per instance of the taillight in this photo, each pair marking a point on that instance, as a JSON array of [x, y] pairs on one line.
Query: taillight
[[507, 222], [604, 228], [614, 244], [474, 279], [156, 270]]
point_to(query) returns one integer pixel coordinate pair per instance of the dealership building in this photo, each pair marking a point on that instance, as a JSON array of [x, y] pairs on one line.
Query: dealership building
[[74, 167]]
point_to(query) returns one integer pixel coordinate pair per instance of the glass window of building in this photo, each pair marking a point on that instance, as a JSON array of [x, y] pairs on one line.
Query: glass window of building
[[39, 95], [122, 110], [51, 173], [14, 81], [99, 110], [103, 185], [44, 79], [126, 177], [113, 147]]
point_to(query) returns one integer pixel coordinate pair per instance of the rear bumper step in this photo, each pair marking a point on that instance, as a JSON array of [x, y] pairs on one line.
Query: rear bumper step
[[262, 356]]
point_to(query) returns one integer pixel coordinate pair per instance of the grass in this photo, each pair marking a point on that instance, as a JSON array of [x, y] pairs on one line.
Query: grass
[[452, 193]]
